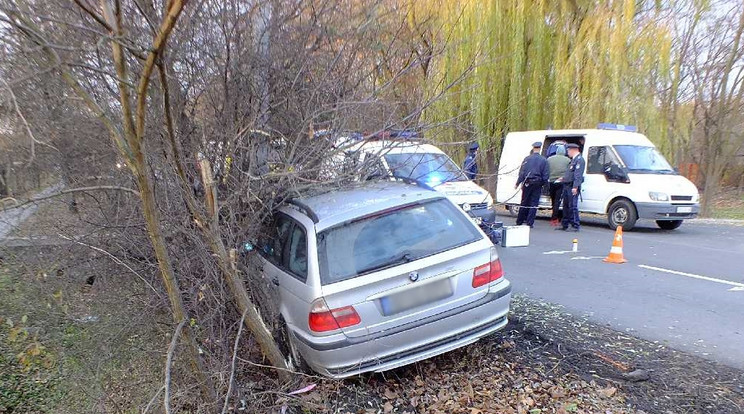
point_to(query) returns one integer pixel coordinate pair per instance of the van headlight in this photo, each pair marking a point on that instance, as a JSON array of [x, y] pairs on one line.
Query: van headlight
[[653, 195]]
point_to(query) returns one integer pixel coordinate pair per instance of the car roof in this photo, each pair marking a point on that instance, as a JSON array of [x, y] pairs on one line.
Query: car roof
[[396, 147], [339, 206]]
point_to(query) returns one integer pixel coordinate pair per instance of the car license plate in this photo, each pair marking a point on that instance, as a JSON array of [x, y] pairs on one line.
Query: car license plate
[[414, 297], [684, 209]]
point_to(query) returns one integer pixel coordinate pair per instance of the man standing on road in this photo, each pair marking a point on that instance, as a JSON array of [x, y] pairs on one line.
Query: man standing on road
[[470, 165], [533, 175], [557, 164], [572, 180]]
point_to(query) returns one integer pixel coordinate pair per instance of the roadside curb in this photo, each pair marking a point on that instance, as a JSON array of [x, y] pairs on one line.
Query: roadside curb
[[730, 222]]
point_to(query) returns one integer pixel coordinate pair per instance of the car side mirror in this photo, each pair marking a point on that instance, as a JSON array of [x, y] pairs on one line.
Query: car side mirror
[[616, 173]]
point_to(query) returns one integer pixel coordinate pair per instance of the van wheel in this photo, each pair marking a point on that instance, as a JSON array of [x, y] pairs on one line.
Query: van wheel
[[668, 224], [622, 213], [288, 346], [513, 209]]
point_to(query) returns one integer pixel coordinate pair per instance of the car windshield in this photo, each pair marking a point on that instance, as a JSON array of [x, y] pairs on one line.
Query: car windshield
[[640, 159], [431, 168], [392, 237]]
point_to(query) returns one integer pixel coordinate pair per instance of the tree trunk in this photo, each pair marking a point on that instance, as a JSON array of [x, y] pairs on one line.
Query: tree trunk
[[253, 320], [152, 221], [709, 191]]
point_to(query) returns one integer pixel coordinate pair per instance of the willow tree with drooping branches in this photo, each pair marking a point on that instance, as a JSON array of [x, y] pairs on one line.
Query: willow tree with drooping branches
[[551, 64]]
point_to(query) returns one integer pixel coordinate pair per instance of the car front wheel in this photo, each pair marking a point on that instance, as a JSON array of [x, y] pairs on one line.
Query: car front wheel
[[622, 213]]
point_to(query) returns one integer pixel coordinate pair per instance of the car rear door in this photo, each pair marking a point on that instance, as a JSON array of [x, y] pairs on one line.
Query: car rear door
[[287, 267]]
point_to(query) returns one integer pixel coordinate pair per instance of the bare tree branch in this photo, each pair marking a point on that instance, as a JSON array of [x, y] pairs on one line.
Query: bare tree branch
[[232, 366], [169, 365], [73, 190]]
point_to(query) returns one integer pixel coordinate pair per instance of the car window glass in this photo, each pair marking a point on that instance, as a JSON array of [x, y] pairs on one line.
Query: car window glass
[[643, 159], [600, 159], [278, 240], [297, 261], [433, 169], [392, 237]]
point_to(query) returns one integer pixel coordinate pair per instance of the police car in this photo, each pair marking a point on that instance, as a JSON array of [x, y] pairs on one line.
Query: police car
[[401, 156]]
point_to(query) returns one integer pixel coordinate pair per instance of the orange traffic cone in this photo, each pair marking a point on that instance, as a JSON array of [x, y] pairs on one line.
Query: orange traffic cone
[[616, 251]]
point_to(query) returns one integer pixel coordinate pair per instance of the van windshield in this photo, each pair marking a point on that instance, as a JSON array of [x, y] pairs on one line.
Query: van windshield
[[392, 237], [433, 169], [641, 159]]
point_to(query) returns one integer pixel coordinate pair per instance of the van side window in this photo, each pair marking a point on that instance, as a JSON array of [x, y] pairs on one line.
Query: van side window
[[599, 159]]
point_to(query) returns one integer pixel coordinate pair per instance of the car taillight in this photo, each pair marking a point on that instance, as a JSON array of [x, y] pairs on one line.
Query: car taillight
[[487, 273], [323, 319]]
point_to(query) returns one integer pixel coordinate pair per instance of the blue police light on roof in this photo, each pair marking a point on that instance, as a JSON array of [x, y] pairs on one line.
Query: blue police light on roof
[[433, 180], [618, 127]]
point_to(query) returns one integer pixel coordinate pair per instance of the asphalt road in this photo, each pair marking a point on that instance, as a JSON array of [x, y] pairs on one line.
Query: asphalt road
[[683, 288]]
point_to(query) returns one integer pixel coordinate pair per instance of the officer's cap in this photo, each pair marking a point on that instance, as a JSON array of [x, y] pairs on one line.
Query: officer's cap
[[536, 144], [473, 146], [572, 146]]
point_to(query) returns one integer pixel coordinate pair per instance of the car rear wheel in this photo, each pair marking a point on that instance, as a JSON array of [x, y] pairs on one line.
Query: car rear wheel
[[622, 213], [668, 224], [288, 346]]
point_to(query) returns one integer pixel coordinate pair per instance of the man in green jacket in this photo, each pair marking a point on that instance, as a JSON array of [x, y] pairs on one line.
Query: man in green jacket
[[557, 164]]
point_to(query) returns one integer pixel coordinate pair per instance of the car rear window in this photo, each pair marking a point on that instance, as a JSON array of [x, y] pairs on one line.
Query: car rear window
[[392, 237]]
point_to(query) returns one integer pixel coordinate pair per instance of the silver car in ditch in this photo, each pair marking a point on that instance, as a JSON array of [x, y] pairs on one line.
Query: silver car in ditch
[[381, 275]]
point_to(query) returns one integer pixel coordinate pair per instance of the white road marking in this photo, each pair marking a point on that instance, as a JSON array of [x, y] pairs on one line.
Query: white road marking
[[736, 286], [558, 252], [587, 257]]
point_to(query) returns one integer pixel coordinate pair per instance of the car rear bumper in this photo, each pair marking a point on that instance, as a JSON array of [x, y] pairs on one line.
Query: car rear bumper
[[412, 342], [667, 211]]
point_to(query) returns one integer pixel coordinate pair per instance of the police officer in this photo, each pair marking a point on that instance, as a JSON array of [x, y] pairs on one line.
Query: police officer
[[572, 180], [533, 175], [557, 164], [470, 165]]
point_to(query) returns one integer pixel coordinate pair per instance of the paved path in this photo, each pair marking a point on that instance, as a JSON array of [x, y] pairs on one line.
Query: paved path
[[683, 288], [12, 218]]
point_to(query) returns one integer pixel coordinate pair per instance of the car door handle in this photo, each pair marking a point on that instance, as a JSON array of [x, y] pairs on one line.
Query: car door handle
[[275, 281]]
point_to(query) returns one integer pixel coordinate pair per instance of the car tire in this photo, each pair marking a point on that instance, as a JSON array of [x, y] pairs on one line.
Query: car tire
[[622, 213], [668, 224], [288, 347], [513, 209]]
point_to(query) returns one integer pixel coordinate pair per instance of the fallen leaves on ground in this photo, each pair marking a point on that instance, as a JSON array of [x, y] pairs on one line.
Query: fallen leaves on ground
[[492, 376]]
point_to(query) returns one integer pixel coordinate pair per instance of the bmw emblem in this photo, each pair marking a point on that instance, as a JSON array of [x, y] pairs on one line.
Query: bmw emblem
[[413, 276]]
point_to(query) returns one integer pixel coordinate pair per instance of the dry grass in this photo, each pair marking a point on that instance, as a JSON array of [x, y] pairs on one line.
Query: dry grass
[[729, 204]]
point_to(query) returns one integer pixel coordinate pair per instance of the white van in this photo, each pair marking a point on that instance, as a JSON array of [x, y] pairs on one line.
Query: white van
[[626, 177], [427, 164]]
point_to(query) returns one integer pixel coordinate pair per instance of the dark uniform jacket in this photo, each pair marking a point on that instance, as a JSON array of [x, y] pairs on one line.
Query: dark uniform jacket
[[470, 166], [534, 170], [574, 175]]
